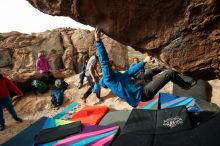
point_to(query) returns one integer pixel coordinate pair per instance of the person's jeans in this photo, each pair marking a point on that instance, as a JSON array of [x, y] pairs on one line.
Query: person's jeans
[[148, 75], [150, 88], [6, 102], [89, 91], [81, 78]]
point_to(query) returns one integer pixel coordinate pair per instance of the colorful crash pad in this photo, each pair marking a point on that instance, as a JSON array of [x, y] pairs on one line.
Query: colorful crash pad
[[91, 115], [168, 101], [91, 136], [150, 104], [26, 137], [50, 123], [66, 113], [59, 132]]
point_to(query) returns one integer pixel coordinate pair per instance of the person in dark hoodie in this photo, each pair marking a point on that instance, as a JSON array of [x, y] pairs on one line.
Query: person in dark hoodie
[[7, 86], [122, 85]]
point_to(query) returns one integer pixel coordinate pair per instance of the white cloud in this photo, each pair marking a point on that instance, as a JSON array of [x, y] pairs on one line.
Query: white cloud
[[19, 15]]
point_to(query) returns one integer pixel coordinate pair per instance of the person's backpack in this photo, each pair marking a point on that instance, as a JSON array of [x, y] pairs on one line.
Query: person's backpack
[[39, 86], [61, 84], [57, 96]]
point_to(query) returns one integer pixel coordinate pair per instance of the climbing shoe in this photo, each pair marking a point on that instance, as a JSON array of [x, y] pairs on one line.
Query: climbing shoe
[[190, 84]]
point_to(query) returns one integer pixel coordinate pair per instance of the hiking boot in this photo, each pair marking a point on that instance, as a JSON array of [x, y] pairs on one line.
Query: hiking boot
[[190, 84], [18, 119], [2, 127], [84, 99], [79, 86], [101, 99]]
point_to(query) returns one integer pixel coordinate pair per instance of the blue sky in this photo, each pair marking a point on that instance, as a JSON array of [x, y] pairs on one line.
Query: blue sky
[[19, 15]]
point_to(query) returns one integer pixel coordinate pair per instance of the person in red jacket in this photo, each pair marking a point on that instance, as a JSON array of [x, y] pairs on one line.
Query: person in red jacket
[[7, 86]]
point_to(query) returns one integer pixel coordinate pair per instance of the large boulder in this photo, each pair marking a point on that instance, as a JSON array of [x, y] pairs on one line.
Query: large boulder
[[116, 51], [65, 48], [26, 46], [79, 43], [184, 34], [83, 42]]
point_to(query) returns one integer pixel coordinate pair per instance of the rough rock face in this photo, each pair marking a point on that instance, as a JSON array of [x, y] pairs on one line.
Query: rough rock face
[[115, 51], [5, 58], [26, 46], [184, 34], [65, 48]]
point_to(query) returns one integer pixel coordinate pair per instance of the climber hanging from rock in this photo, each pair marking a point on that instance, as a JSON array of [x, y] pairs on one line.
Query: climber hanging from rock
[[122, 85]]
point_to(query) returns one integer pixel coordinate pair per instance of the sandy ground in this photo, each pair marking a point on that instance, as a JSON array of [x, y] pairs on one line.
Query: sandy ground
[[31, 107]]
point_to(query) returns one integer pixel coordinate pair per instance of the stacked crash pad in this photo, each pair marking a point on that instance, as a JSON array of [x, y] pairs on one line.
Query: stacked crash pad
[[90, 135]]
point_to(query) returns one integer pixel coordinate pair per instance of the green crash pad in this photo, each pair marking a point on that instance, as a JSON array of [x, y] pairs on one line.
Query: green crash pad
[[116, 118]]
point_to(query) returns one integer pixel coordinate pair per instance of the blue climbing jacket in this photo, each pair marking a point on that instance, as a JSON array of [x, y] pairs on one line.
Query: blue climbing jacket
[[120, 84]]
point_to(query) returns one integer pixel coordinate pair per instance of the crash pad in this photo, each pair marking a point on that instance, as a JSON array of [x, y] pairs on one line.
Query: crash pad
[[116, 118], [91, 115], [26, 136], [93, 135], [150, 104], [198, 91], [169, 100], [66, 113], [169, 127]]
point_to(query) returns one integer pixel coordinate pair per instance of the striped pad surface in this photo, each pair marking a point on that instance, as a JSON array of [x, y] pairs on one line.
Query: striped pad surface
[[168, 101], [150, 104], [91, 136]]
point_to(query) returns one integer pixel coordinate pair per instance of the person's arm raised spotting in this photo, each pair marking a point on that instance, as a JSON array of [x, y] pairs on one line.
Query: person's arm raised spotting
[[135, 68]]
